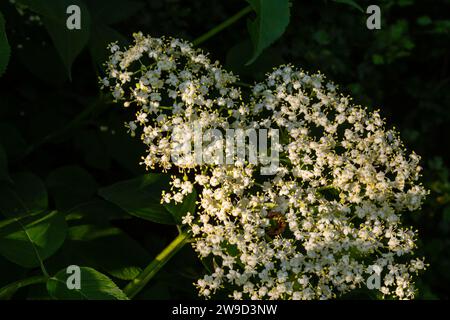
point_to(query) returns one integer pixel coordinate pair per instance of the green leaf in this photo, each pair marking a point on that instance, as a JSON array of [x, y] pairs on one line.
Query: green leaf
[[351, 3], [3, 165], [68, 43], [5, 50], [26, 194], [178, 211], [29, 240], [93, 244], [70, 185], [99, 212], [241, 52], [9, 290], [272, 18], [93, 286], [141, 197]]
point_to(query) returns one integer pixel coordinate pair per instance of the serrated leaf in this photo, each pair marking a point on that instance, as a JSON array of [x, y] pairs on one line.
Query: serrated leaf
[[272, 18], [5, 50], [94, 286], [178, 211], [29, 240], [351, 3], [68, 43], [141, 197]]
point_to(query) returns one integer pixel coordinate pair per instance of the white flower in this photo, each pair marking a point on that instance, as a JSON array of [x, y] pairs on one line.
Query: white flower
[[311, 231], [187, 219]]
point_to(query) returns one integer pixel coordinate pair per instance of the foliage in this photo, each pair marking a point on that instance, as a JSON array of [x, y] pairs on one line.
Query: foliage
[[72, 191], [272, 18], [94, 286]]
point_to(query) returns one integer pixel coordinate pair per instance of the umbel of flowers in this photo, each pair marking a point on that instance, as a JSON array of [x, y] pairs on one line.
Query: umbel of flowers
[[330, 216]]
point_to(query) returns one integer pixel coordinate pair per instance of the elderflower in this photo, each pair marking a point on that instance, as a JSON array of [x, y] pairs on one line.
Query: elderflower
[[327, 218], [170, 85]]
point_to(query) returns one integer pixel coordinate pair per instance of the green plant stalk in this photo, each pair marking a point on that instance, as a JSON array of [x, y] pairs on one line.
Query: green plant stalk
[[8, 290], [222, 26], [137, 284]]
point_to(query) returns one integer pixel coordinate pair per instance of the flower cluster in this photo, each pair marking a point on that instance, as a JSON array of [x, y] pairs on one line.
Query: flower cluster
[[328, 219], [170, 85]]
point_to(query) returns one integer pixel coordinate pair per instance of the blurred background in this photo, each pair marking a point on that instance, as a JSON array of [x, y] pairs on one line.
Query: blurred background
[[57, 125]]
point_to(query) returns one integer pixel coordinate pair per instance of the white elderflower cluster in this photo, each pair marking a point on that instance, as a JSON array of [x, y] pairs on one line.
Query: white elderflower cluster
[[169, 85], [330, 216], [326, 220]]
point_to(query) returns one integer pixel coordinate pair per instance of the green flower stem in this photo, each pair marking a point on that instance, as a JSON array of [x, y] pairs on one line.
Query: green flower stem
[[222, 26], [137, 284], [8, 290]]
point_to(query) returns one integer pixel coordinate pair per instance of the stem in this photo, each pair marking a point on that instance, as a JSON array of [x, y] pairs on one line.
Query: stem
[[9, 289], [137, 284], [222, 26]]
